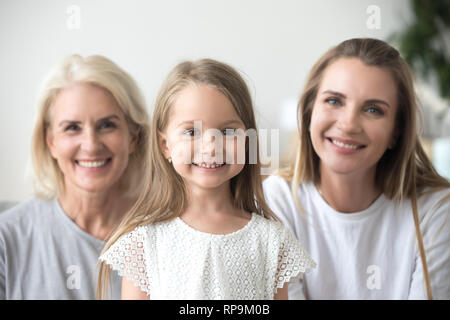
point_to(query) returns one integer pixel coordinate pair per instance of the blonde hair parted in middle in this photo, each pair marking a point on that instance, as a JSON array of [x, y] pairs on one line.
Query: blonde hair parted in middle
[[164, 196]]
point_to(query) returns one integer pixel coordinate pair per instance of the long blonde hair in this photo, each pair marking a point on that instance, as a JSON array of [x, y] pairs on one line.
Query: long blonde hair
[[164, 196], [48, 180], [404, 171]]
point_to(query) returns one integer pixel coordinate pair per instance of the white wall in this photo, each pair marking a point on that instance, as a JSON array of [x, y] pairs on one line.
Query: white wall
[[274, 42]]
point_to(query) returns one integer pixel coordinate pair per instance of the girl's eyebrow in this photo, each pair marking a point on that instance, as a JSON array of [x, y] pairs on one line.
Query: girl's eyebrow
[[234, 121], [341, 95], [227, 122], [111, 117]]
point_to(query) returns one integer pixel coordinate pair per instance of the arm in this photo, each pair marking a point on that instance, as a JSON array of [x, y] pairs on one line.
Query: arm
[[2, 270], [282, 294], [435, 226], [132, 292]]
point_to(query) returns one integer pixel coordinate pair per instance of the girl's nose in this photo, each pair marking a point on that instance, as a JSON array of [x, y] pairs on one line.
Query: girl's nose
[[209, 140]]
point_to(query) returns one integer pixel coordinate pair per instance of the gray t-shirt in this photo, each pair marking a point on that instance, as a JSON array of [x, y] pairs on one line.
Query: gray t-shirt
[[45, 255]]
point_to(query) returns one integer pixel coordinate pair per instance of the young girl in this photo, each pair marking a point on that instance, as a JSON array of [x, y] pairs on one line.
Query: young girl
[[362, 195], [201, 228]]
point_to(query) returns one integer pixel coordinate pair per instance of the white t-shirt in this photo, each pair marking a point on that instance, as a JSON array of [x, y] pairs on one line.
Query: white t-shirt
[[171, 260], [370, 254]]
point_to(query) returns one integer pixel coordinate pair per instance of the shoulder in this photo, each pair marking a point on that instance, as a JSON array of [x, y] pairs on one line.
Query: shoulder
[[277, 184], [282, 244], [138, 237], [27, 212], [434, 200], [434, 208], [22, 221], [274, 229]]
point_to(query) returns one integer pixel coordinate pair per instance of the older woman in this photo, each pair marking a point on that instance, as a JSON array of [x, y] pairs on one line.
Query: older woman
[[89, 143]]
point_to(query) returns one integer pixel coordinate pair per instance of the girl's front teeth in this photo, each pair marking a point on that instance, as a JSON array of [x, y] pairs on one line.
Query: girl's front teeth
[[343, 145], [209, 166], [91, 164]]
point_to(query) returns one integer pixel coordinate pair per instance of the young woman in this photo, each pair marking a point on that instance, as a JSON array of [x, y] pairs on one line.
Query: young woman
[[362, 196], [201, 228]]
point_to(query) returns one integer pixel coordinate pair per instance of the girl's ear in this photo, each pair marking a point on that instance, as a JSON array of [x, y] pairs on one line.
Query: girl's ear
[[162, 139]]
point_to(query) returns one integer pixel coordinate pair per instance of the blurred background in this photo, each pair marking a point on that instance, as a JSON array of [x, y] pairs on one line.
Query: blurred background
[[273, 43]]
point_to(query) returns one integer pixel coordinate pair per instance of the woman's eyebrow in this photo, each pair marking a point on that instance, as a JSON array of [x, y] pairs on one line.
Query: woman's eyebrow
[[113, 116], [336, 93], [378, 101], [63, 122]]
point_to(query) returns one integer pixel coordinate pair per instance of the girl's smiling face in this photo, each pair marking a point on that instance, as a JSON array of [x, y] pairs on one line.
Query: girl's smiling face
[[353, 117], [201, 137]]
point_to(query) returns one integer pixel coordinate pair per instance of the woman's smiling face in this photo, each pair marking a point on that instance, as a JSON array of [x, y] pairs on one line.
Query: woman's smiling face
[[353, 117], [89, 138]]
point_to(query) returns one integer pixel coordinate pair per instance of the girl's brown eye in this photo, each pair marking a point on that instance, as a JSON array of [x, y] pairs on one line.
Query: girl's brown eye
[[191, 132], [228, 132]]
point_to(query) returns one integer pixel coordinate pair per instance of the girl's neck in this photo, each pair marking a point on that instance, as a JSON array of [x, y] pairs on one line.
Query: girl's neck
[[210, 201], [348, 193], [212, 211], [96, 213]]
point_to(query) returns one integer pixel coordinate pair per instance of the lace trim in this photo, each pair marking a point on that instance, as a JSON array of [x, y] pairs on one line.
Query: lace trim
[[293, 261], [127, 257]]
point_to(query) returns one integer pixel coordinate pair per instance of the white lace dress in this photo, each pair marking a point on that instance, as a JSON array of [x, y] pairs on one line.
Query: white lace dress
[[171, 260]]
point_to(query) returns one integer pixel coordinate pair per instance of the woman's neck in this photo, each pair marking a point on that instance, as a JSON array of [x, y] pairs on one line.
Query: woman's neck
[[96, 213], [348, 193]]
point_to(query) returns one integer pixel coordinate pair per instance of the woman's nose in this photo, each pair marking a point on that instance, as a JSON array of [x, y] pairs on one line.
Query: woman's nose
[[349, 120], [91, 140]]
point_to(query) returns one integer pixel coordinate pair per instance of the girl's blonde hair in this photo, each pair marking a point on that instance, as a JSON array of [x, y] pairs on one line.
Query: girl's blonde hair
[[48, 180], [164, 195], [403, 171]]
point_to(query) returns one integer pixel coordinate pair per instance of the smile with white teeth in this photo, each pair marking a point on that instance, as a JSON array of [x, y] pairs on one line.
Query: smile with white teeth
[[92, 164], [208, 165], [344, 145]]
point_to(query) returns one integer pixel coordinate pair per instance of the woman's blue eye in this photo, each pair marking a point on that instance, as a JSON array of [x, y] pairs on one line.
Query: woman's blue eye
[[375, 110], [107, 125], [72, 127], [333, 101]]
